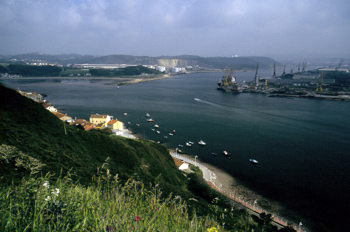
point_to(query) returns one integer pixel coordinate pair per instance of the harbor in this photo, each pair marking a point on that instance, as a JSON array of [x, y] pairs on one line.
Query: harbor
[[300, 143]]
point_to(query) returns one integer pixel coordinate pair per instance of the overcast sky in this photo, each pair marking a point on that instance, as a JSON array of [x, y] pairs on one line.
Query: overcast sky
[[295, 28]]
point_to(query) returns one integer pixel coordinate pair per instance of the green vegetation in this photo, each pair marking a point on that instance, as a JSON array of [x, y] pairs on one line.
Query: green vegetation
[[3, 69], [54, 71], [58, 177], [40, 204], [33, 71], [128, 71]]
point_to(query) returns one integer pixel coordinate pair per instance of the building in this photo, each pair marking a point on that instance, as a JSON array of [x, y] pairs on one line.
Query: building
[[160, 68], [100, 118], [32, 95], [62, 117], [114, 124]]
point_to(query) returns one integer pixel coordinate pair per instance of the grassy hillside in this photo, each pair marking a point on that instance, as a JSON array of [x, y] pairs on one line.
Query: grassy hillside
[[37, 133], [49, 170]]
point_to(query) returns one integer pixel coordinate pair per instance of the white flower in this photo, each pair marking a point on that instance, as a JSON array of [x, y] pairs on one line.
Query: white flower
[[47, 198], [56, 191], [46, 184]]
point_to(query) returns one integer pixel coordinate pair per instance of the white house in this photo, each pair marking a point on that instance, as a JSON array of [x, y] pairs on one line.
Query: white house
[[184, 166]]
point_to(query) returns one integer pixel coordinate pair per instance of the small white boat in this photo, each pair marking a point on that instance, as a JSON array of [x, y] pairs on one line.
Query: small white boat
[[147, 115], [202, 143], [166, 137], [158, 132], [225, 152], [188, 144], [253, 161], [156, 126], [153, 129], [150, 120], [125, 113], [171, 134], [180, 145], [197, 99], [129, 122]]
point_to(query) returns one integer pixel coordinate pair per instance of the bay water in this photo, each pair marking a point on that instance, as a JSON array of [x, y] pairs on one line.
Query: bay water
[[302, 145]]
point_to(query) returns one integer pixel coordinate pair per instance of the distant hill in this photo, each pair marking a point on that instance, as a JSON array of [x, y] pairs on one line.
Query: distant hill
[[248, 62]]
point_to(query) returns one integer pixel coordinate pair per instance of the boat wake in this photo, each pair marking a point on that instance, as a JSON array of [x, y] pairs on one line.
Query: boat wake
[[216, 105]]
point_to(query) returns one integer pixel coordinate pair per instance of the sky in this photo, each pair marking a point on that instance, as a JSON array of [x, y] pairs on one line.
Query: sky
[[287, 28]]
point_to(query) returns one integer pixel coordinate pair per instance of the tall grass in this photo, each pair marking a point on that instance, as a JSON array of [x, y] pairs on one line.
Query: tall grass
[[40, 204]]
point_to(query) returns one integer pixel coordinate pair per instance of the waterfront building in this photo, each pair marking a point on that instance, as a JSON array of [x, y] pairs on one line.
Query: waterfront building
[[115, 124], [62, 117], [100, 118]]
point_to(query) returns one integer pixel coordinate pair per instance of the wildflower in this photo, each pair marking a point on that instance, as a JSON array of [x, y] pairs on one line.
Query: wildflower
[[110, 228], [56, 191], [212, 229], [137, 218], [47, 198], [46, 184], [157, 209], [132, 227]]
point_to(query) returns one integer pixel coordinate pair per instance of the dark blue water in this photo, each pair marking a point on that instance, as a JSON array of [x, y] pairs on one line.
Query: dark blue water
[[302, 144]]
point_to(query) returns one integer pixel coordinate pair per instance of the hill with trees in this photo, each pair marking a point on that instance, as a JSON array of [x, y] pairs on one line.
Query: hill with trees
[[237, 62]]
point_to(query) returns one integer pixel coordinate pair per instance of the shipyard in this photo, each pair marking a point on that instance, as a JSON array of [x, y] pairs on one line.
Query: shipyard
[[320, 83]]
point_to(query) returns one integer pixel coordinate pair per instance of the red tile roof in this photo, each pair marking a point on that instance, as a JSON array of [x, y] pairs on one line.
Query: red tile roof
[[111, 122]]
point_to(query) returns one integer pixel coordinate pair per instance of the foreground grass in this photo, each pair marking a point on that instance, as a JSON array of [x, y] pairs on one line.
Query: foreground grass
[[39, 204]]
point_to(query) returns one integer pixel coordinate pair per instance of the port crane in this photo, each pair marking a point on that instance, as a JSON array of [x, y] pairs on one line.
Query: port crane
[[256, 77], [339, 64], [320, 81]]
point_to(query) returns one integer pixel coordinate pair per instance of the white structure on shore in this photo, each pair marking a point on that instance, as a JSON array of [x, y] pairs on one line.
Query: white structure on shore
[[178, 69], [160, 68]]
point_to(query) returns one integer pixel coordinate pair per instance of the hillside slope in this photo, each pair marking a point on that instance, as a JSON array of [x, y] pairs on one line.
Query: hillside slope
[[37, 133]]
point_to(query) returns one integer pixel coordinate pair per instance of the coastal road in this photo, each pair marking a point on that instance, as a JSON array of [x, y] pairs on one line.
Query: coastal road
[[212, 180]]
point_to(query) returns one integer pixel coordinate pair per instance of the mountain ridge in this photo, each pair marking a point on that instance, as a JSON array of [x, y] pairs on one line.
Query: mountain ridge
[[243, 62]]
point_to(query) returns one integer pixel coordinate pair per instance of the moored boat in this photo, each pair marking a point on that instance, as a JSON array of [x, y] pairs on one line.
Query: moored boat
[[188, 144], [214, 154], [202, 143], [150, 120], [156, 126], [147, 115], [225, 153], [253, 161]]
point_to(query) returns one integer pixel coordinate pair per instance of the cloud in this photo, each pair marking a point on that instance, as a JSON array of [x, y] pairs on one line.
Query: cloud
[[155, 27]]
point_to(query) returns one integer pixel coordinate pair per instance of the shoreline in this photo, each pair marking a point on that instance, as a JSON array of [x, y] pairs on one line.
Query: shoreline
[[228, 183], [243, 197]]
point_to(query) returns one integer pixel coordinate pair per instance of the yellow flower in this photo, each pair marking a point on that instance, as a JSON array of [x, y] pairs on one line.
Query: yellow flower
[[213, 229]]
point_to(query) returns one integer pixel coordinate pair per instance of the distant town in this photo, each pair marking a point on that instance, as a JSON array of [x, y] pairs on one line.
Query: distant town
[[321, 79]]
